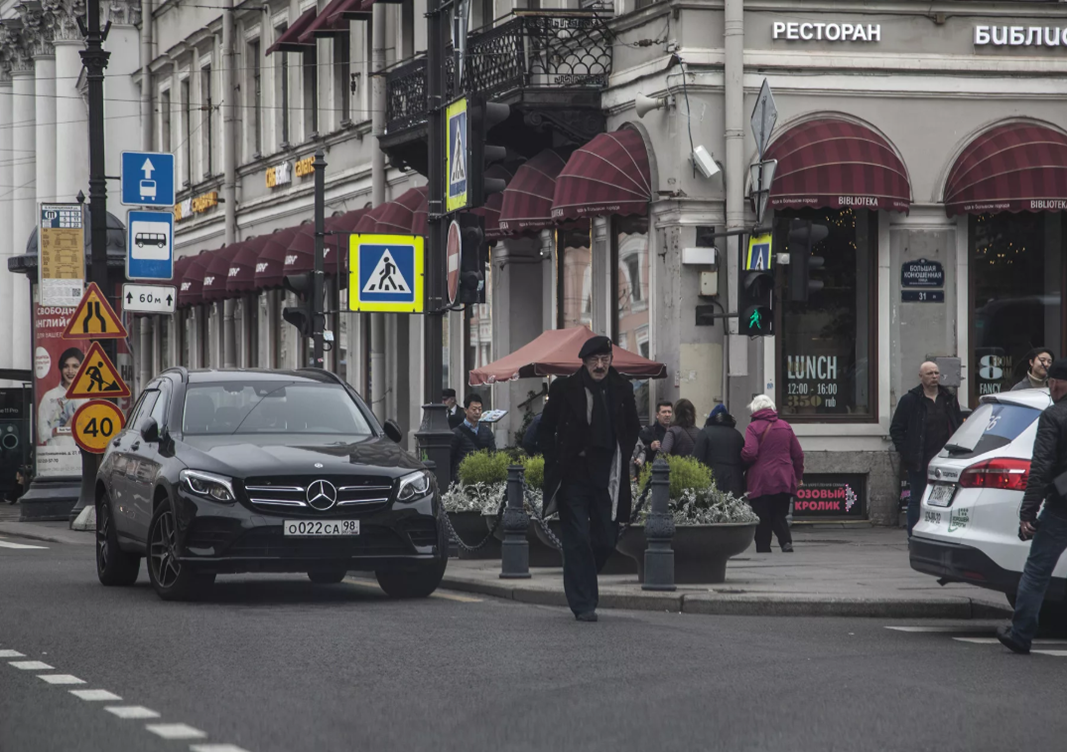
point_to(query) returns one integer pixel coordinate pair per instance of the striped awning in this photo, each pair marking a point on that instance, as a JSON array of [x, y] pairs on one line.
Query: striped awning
[[526, 204], [407, 215], [832, 163], [1014, 167], [609, 175], [290, 41]]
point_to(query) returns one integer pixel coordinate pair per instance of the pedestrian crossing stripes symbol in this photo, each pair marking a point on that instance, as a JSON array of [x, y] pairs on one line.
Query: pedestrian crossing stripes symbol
[[759, 253], [459, 160], [456, 157], [386, 273], [386, 277]]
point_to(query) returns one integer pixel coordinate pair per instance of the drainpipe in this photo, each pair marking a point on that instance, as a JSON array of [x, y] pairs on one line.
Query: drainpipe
[[146, 323], [377, 172], [229, 178], [734, 45]]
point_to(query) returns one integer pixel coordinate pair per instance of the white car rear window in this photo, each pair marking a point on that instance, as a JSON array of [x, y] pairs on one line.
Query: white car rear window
[[990, 427]]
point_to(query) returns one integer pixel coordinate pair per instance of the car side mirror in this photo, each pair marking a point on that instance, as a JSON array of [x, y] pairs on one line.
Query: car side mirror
[[394, 431], [150, 431]]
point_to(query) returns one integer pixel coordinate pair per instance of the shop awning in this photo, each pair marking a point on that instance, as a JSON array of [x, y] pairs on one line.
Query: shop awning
[[289, 41], [526, 204], [407, 215], [491, 209], [270, 263], [346, 222], [555, 353], [836, 164], [191, 270], [241, 277], [334, 18], [609, 175], [368, 223], [300, 253], [218, 271], [1014, 167]]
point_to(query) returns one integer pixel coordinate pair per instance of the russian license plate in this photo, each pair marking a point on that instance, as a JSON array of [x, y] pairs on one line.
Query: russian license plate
[[320, 528], [941, 494]]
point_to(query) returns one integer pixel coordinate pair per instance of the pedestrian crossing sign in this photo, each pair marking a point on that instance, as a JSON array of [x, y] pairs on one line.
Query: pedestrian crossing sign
[[97, 377], [456, 166], [385, 273], [759, 253]]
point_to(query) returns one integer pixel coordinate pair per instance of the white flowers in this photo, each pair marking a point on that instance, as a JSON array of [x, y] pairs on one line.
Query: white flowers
[[477, 497]]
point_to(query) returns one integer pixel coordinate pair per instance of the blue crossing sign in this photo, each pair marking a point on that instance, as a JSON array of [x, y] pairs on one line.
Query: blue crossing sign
[[386, 273], [456, 165], [149, 245], [147, 178]]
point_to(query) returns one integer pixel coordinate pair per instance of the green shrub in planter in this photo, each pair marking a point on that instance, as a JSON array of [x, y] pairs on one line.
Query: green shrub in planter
[[484, 467], [535, 472], [686, 474]]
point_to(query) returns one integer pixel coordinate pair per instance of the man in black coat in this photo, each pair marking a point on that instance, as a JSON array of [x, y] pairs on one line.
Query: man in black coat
[[587, 435], [719, 447], [925, 418], [455, 415], [651, 436], [470, 435]]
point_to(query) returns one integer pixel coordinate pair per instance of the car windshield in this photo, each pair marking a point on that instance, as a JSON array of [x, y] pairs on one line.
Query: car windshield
[[272, 407], [990, 427]]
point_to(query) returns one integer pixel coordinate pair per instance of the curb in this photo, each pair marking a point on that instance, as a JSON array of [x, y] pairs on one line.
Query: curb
[[747, 605], [17, 530]]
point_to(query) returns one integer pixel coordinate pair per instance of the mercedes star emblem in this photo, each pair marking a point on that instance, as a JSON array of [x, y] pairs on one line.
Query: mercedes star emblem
[[322, 495]]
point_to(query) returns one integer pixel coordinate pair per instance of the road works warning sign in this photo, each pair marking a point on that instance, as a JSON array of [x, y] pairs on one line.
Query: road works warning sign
[[386, 273], [97, 377]]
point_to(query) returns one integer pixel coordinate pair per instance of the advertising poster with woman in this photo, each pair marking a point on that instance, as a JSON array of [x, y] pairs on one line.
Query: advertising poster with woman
[[56, 363]]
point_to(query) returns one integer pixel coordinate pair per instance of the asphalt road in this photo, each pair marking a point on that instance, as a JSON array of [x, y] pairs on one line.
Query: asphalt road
[[276, 664]]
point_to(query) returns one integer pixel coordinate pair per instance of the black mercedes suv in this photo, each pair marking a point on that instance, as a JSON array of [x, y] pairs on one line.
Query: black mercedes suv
[[227, 471]]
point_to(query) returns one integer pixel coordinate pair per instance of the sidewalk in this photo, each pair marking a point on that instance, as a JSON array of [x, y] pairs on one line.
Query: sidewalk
[[836, 571], [51, 532]]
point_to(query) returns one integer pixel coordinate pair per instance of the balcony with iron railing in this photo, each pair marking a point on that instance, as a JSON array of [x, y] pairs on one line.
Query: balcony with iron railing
[[551, 65]]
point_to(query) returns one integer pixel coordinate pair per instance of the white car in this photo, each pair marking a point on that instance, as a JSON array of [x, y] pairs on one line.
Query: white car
[[968, 529]]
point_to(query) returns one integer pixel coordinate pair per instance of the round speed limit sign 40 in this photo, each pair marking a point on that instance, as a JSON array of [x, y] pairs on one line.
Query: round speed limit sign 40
[[95, 424]]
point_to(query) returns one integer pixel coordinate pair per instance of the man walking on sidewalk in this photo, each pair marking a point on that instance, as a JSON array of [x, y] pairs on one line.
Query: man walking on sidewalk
[[1048, 483], [925, 419], [587, 435]]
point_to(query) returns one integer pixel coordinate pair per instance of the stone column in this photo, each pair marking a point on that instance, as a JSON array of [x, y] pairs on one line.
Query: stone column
[[72, 113], [7, 157], [23, 195], [121, 95], [38, 33]]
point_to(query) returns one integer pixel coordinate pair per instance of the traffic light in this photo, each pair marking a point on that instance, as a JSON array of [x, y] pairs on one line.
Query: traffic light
[[803, 235], [482, 117], [299, 316], [474, 257], [755, 298]]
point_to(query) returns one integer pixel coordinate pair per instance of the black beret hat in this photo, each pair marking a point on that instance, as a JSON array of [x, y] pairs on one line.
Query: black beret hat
[[1058, 370], [446, 393], [598, 345]]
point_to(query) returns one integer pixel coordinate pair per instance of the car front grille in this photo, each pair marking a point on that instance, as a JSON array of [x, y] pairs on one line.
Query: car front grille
[[357, 494], [270, 542]]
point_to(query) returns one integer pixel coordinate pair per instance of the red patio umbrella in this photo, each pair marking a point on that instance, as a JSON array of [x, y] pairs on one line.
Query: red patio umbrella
[[555, 353]]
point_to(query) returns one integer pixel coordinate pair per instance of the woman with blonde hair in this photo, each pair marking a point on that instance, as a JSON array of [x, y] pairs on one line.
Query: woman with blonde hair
[[776, 468]]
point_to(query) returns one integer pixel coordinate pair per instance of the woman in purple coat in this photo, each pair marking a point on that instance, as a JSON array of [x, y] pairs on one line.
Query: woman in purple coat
[[776, 468]]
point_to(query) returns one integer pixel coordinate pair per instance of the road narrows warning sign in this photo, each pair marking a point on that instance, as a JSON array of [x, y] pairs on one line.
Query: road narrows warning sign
[[95, 424], [94, 318], [97, 377]]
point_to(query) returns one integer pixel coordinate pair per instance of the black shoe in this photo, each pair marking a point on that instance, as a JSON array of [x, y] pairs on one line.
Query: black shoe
[[787, 548], [1008, 640], [587, 616], [763, 550]]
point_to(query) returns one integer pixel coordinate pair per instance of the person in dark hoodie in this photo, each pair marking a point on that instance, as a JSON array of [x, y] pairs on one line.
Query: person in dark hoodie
[[719, 447]]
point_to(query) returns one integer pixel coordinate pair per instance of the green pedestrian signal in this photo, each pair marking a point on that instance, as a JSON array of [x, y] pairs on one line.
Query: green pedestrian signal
[[755, 298], [755, 320]]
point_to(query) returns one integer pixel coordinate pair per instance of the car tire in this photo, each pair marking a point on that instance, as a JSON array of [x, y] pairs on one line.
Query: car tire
[[114, 567], [327, 576], [421, 581], [172, 580]]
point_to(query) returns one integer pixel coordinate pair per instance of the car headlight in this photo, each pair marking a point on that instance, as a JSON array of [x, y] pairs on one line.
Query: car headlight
[[413, 486], [211, 486]]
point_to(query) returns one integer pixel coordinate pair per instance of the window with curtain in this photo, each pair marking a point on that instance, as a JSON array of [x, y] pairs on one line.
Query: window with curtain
[[574, 279], [631, 275]]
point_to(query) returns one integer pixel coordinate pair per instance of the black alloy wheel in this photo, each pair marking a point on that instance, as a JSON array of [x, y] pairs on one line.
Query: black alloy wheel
[[114, 567], [421, 580], [172, 580]]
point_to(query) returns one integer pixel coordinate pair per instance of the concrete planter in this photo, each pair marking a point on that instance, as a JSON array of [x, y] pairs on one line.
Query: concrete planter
[[541, 554], [616, 564], [470, 528], [700, 551]]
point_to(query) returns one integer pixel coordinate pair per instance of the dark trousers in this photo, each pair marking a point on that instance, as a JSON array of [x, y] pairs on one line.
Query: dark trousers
[[916, 489], [1048, 544], [772, 511], [588, 537]]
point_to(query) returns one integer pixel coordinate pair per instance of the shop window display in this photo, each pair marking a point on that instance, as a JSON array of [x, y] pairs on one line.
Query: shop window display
[[631, 283]]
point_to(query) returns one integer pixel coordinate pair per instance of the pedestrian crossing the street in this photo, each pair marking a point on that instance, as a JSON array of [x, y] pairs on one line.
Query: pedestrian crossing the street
[[4, 543], [1057, 648]]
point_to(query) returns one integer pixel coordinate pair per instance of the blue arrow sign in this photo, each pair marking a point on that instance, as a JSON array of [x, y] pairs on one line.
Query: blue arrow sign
[[147, 178], [149, 245]]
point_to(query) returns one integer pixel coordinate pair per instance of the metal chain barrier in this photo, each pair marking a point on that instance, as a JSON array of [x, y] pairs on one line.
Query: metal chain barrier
[[637, 509], [492, 530], [535, 513]]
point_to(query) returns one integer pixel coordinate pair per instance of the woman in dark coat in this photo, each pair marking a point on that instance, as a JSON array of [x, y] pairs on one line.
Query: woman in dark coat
[[682, 435], [719, 447]]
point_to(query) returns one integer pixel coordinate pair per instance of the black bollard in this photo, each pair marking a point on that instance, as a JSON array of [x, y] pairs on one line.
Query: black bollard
[[515, 550], [659, 532]]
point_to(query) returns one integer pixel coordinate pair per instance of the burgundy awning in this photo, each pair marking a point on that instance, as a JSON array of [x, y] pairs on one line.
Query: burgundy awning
[[346, 222], [491, 209], [300, 253], [609, 175], [218, 271], [368, 223], [270, 264], [526, 204], [191, 274], [407, 215], [329, 23], [241, 277], [1014, 167], [836, 164], [289, 41], [555, 353]]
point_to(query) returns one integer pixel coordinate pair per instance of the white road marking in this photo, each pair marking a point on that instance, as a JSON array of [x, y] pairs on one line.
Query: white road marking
[[175, 731], [132, 712], [11, 654], [935, 629], [446, 596], [30, 665], [95, 695], [1056, 653], [216, 748], [9, 544], [60, 679], [994, 641]]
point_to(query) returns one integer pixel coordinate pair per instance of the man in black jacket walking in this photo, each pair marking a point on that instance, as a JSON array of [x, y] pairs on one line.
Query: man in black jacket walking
[[587, 435], [1048, 529], [470, 435], [925, 419]]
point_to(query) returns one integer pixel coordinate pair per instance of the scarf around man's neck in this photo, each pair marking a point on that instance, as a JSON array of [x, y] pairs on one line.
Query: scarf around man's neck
[[601, 433]]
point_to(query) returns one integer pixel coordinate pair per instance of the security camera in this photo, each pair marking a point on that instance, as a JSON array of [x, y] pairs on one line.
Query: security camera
[[705, 162]]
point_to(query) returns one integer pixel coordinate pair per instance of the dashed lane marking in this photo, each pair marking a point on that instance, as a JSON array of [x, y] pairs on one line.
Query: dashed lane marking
[[175, 731], [11, 654], [216, 748], [95, 695], [970, 636], [30, 666], [132, 712], [60, 679], [9, 544], [444, 596]]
